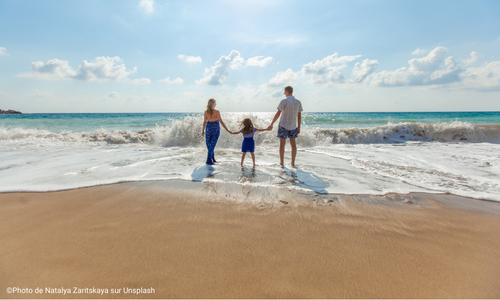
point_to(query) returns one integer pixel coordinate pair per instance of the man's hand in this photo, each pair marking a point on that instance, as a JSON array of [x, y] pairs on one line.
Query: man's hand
[[298, 129], [270, 127]]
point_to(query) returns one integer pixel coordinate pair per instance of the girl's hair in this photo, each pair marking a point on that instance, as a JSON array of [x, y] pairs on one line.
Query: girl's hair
[[210, 106], [247, 126]]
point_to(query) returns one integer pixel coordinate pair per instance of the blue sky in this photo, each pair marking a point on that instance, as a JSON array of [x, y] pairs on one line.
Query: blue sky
[[172, 56]]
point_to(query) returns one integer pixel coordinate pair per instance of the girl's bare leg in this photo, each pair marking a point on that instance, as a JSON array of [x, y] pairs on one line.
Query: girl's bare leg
[[253, 157], [243, 157]]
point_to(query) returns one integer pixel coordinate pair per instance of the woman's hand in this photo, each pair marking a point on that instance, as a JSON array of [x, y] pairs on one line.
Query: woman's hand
[[203, 133]]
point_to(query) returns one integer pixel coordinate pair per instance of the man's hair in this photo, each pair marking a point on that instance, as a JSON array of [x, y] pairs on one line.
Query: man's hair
[[289, 89]]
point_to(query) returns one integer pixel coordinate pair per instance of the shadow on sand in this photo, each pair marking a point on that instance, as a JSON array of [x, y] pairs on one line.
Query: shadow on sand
[[201, 173], [248, 173], [295, 176], [305, 179]]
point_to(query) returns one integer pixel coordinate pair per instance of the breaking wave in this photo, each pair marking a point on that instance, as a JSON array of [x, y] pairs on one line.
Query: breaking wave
[[187, 133], [397, 133]]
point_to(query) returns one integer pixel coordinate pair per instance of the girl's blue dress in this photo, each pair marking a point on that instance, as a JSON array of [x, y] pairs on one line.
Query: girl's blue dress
[[248, 142]]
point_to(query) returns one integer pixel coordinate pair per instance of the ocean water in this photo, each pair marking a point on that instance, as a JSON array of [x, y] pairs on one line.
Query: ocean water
[[348, 153]]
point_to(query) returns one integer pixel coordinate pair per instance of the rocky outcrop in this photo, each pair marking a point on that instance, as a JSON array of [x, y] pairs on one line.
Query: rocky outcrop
[[10, 112]]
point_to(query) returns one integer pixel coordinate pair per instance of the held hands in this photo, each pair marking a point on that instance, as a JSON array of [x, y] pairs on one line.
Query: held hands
[[270, 127]]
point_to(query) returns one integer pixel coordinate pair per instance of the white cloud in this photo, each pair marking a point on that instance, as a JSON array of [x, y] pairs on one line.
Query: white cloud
[[422, 71], [3, 52], [436, 68], [328, 70], [450, 72], [141, 81], [177, 80], [283, 78], [419, 52], [147, 5], [362, 70], [53, 69], [473, 58], [190, 59], [482, 77], [259, 61], [102, 69], [430, 62], [218, 73], [400, 77], [114, 95]]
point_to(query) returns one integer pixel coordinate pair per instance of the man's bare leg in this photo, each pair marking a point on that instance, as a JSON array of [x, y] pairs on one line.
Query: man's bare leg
[[294, 151], [282, 151]]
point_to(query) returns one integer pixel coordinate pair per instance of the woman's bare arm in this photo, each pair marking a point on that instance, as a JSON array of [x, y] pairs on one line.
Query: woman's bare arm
[[222, 122]]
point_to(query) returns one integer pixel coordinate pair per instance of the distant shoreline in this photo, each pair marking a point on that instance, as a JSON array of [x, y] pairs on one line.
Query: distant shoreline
[[10, 112]]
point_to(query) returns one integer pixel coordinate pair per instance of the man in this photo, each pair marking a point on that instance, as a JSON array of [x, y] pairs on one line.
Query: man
[[289, 125]]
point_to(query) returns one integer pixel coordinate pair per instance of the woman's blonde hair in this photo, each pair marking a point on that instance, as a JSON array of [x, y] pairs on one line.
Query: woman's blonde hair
[[247, 126], [210, 105]]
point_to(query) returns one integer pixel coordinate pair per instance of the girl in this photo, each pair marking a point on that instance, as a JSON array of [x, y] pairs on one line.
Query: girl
[[248, 145], [211, 120]]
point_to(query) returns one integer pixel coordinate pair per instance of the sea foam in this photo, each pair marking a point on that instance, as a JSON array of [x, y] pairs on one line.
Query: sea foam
[[456, 157], [187, 132]]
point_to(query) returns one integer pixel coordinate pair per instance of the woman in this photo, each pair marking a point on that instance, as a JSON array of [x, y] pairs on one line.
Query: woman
[[211, 121]]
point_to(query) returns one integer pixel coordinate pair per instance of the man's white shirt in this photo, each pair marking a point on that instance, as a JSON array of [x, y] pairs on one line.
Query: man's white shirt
[[289, 107]]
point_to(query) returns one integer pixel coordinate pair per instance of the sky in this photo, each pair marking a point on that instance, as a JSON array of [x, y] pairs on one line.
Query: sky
[[172, 56]]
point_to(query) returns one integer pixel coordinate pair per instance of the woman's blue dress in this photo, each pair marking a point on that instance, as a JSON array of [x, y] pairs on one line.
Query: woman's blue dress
[[212, 132]]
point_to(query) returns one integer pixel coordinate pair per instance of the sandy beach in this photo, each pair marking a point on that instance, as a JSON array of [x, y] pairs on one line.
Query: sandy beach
[[201, 242]]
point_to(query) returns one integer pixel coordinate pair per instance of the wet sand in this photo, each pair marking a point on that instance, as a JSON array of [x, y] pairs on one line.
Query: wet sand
[[197, 243]]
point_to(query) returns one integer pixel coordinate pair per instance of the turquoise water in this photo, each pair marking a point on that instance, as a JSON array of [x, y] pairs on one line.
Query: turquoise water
[[369, 120], [90, 122]]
